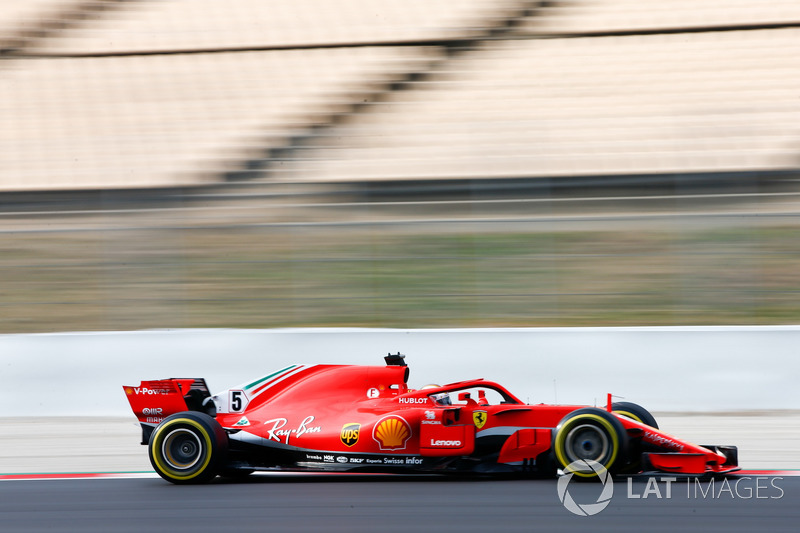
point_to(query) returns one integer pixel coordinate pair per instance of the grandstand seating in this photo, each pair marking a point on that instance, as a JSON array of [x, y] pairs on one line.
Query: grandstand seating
[[157, 120], [158, 94], [213, 24], [161, 120], [557, 107], [583, 16], [16, 16]]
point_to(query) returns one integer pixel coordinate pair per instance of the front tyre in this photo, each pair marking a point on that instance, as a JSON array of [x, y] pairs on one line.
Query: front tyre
[[639, 414], [634, 412], [188, 447], [589, 434]]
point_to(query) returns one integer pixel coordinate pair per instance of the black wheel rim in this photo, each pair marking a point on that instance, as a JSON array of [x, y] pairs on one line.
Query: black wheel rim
[[587, 442], [182, 449]]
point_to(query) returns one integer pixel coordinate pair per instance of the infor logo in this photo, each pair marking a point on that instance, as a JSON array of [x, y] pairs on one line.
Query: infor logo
[[585, 509]]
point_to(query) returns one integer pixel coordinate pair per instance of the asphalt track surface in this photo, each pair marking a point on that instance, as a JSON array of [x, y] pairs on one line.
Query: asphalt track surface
[[386, 504]]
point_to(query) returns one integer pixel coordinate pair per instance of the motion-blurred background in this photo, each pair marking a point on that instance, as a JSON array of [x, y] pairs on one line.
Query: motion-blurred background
[[398, 163]]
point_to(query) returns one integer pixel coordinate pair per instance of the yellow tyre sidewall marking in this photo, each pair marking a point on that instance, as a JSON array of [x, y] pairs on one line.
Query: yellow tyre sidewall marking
[[562, 436], [629, 415], [158, 441]]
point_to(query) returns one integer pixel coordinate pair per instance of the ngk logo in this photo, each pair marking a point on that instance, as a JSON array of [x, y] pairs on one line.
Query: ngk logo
[[152, 411]]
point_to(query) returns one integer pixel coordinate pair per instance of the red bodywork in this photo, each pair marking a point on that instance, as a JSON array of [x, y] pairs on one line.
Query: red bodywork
[[332, 417]]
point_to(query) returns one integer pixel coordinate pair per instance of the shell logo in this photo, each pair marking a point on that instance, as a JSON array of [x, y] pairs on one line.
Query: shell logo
[[392, 433]]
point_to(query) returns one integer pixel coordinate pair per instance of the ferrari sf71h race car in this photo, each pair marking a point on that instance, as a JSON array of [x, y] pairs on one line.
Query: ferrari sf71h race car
[[365, 419]]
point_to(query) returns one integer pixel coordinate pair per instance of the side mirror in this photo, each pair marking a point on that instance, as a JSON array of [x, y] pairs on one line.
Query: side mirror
[[463, 396]]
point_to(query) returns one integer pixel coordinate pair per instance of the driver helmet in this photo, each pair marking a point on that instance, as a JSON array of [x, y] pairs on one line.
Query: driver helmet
[[441, 399]]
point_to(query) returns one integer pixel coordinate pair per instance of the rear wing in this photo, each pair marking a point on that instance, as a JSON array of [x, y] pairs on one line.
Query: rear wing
[[153, 401]]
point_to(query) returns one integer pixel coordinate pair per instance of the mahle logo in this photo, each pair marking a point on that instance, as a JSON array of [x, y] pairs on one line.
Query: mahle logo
[[585, 509]]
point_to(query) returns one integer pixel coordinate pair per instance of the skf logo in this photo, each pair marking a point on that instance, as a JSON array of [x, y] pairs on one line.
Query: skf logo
[[479, 418], [391, 433], [349, 434]]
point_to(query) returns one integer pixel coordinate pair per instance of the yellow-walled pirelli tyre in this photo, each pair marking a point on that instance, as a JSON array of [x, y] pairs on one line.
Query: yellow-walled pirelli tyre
[[590, 434], [188, 447], [639, 414], [634, 412]]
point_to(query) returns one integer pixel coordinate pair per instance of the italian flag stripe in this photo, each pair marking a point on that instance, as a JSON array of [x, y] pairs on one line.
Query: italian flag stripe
[[265, 378]]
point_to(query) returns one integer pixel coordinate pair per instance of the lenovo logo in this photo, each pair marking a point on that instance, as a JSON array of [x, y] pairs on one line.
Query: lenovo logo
[[456, 443]]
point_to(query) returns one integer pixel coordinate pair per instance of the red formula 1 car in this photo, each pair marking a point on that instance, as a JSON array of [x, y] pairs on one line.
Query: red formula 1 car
[[365, 418]]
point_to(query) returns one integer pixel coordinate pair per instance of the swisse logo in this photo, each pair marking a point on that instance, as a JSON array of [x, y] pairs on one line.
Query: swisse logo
[[349, 434], [152, 411], [149, 392], [456, 443]]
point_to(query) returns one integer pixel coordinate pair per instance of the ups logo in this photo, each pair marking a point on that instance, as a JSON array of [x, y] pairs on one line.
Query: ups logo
[[349, 434]]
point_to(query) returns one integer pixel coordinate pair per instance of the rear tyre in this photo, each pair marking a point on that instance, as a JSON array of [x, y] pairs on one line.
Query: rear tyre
[[589, 434], [188, 447], [634, 412]]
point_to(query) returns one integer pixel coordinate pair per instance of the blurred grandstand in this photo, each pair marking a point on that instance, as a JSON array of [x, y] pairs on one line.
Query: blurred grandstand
[[232, 113]]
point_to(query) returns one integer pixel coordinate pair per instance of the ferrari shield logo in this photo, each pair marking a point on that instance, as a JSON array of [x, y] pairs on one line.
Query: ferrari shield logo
[[479, 417]]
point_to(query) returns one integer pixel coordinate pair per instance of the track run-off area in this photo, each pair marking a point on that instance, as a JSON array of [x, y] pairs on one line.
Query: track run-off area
[[749, 501]]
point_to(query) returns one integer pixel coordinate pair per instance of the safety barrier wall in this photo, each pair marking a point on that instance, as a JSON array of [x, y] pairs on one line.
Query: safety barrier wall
[[665, 369]]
